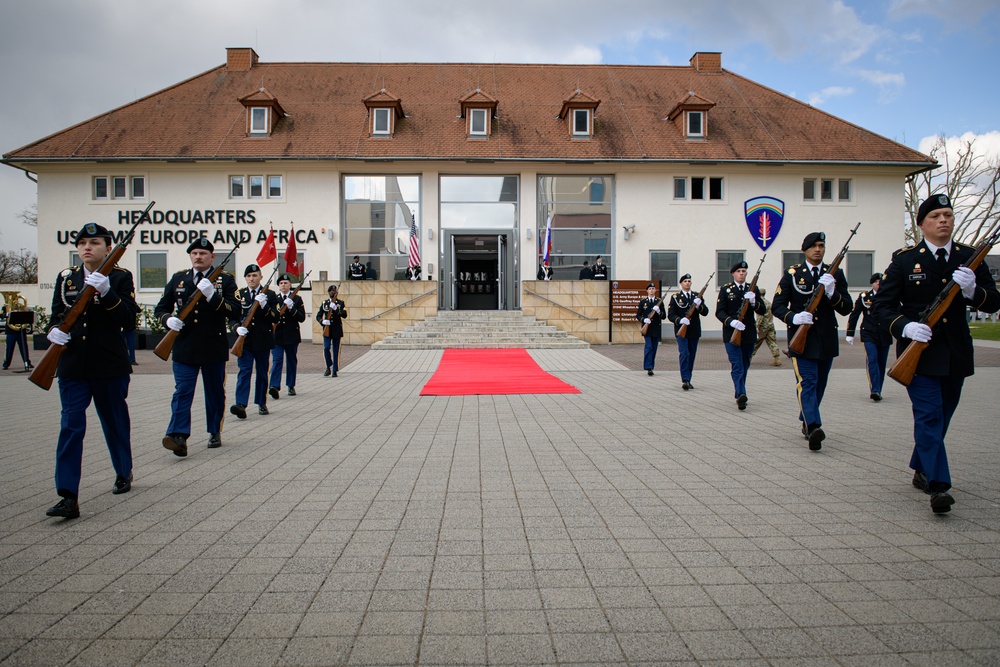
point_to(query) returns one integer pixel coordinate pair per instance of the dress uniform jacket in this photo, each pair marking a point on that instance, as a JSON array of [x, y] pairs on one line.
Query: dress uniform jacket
[[260, 334], [203, 339], [646, 310], [792, 296], [678, 308], [356, 271], [97, 348], [336, 317], [728, 309], [287, 332], [871, 330], [599, 271], [912, 281]]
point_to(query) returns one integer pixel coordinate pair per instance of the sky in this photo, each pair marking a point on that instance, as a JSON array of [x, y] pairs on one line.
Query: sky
[[909, 70]]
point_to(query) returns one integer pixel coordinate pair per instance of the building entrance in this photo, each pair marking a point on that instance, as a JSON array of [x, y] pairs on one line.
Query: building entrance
[[480, 271]]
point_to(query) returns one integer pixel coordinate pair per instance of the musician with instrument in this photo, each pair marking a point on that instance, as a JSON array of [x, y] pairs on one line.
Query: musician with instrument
[[795, 292], [651, 314], [915, 278], [875, 337], [94, 365], [685, 310], [728, 310], [331, 314], [291, 313], [202, 344], [258, 341]]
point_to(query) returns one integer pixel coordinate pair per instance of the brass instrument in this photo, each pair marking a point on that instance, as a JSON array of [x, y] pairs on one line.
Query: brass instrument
[[15, 303]]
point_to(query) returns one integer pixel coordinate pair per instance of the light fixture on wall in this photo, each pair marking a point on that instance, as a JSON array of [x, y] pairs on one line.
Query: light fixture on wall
[[430, 270], [527, 232], [430, 234], [629, 230], [329, 232]]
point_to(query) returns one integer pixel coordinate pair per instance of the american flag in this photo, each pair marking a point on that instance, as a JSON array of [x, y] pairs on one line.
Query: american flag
[[547, 257], [414, 243]]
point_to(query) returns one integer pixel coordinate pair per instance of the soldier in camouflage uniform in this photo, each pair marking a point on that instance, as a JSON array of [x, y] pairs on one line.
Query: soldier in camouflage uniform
[[765, 333]]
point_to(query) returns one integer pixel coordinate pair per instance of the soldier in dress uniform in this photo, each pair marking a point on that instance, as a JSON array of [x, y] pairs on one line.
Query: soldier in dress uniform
[[544, 271], [687, 347], [650, 312], [600, 269], [357, 270], [727, 310], [766, 333], [202, 344], [257, 343], [913, 280], [331, 315], [792, 297], [94, 366], [874, 336], [286, 337], [586, 273]]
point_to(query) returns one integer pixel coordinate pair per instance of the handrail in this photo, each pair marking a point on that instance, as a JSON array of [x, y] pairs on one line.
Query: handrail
[[556, 303], [408, 301]]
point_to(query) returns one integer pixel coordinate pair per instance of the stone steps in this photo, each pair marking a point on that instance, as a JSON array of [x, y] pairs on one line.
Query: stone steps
[[479, 329]]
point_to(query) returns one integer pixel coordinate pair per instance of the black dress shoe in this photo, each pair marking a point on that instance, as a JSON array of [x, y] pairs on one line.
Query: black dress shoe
[[875, 396], [685, 385], [239, 410], [941, 502], [122, 484], [291, 391], [263, 410], [335, 374], [816, 438], [6, 366], [214, 440], [67, 508], [920, 481], [274, 393], [649, 372], [177, 444], [741, 401], [327, 372]]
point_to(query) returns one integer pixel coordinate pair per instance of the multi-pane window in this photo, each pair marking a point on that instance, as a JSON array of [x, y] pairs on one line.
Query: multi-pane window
[[582, 220], [381, 120], [663, 267], [100, 187], [252, 187], [724, 260], [258, 120], [117, 187], [378, 211], [581, 122], [699, 188], [694, 124], [152, 273], [830, 189], [477, 122]]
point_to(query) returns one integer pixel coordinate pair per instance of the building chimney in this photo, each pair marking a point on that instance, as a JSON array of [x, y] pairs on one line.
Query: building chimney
[[240, 59], [707, 62]]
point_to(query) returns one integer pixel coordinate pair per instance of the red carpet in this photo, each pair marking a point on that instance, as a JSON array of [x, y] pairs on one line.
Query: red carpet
[[504, 371]]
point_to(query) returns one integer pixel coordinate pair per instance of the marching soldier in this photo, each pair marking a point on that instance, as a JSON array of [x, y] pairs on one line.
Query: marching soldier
[[331, 315], [727, 310], [766, 333], [202, 344], [913, 280], [687, 347], [791, 299], [94, 366], [874, 337], [650, 313], [286, 337], [356, 270], [257, 343], [600, 269]]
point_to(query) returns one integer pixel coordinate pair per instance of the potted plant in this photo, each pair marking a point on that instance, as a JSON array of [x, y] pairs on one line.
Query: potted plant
[[41, 326], [153, 332]]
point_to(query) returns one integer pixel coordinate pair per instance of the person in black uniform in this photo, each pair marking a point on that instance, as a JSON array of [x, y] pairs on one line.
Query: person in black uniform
[[357, 270], [874, 337], [544, 271], [586, 273], [913, 280], [17, 335], [412, 273], [651, 312], [94, 366], [331, 315], [791, 298], [257, 343], [600, 269], [286, 337], [687, 347], [727, 310], [202, 345]]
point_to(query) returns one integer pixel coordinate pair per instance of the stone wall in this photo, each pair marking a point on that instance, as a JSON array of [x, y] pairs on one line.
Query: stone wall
[[371, 315], [578, 307]]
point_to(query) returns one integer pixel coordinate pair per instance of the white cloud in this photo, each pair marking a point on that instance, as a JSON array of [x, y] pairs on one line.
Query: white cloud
[[818, 98]]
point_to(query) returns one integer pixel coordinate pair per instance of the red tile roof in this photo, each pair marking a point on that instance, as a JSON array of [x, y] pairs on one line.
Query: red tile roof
[[202, 118]]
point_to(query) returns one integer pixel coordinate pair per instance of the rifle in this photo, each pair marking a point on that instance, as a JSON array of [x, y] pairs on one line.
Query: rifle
[[281, 311], [683, 330], [326, 329], [46, 368], [737, 337], [237, 350], [905, 366], [798, 342], [164, 347], [645, 327]]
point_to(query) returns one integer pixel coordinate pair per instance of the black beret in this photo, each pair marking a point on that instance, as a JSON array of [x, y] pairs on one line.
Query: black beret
[[92, 230], [356, 257], [251, 268], [201, 244], [932, 203], [737, 266], [686, 276], [598, 257], [811, 240], [285, 276], [331, 288], [875, 276], [653, 285]]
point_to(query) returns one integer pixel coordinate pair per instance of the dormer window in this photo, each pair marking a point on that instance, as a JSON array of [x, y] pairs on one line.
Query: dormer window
[[258, 120], [477, 122], [578, 111], [384, 109], [263, 113], [581, 122], [690, 115], [694, 124], [480, 109], [381, 120]]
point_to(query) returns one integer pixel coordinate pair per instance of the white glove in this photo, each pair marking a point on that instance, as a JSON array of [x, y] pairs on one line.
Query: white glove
[[262, 300], [289, 302], [739, 326], [684, 320], [918, 332], [656, 309], [697, 301], [175, 323], [965, 278], [326, 323], [334, 306], [850, 340], [102, 284], [647, 321], [829, 283], [58, 337], [242, 331], [206, 287], [751, 297], [805, 317]]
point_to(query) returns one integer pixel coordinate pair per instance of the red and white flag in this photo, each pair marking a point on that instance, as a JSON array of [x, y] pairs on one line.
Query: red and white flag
[[414, 243], [292, 256], [269, 252]]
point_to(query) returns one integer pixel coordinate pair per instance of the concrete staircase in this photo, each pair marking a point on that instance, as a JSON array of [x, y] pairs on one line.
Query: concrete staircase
[[479, 328]]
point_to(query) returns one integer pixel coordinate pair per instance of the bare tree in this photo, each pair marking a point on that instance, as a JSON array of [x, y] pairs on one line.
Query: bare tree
[[970, 179], [29, 216], [18, 266]]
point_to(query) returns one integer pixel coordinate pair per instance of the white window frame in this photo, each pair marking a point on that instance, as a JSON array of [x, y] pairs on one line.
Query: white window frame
[[706, 188], [255, 181], [823, 183], [138, 264], [117, 181], [381, 114], [241, 181], [281, 186], [74, 258], [259, 117], [811, 184], [107, 188], [828, 190], [137, 179], [722, 274], [576, 113], [680, 187], [482, 116], [689, 117], [841, 182]]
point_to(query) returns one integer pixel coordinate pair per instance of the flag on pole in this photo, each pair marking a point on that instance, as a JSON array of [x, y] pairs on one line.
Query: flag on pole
[[292, 256], [414, 243], [269, 252], [548, 241]]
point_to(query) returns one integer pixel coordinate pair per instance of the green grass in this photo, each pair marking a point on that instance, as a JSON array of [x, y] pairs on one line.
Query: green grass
[[985, 330]]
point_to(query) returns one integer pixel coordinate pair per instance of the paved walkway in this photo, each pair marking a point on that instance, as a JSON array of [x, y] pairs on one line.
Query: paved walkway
[[631, 524]]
